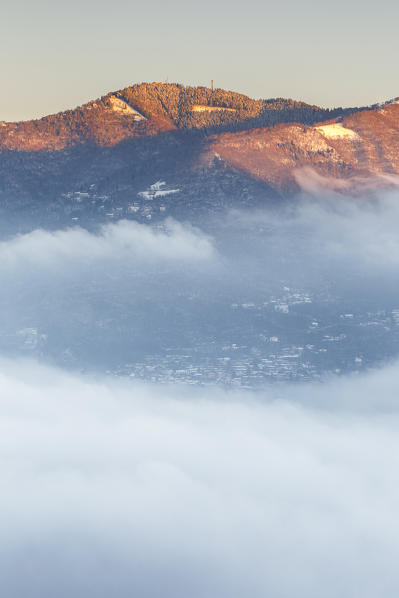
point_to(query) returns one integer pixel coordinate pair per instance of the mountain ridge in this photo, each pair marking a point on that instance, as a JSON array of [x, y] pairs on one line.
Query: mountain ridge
[[162, 107], [214, 149]]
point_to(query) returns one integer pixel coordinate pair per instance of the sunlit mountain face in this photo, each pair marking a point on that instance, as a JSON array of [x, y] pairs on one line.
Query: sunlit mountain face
[[199, 338]]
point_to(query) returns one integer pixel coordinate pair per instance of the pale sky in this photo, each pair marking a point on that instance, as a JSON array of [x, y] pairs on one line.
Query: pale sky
[[57, 55]]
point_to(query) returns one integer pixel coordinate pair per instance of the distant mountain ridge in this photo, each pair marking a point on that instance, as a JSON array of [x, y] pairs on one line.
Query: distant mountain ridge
[[203, 149], [150, 108]]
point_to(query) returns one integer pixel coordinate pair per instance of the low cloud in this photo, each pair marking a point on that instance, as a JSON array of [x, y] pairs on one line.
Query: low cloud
[[124, 240], [111, 299], [111, 488], [328, 233], [312, 182]]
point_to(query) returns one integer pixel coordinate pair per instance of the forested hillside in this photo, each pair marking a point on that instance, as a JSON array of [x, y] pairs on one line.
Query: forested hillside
[[150, 108]]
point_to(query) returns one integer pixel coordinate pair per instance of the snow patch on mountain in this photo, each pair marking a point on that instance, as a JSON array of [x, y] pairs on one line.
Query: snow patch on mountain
[[123, 107], [337, 131], [202, 108]]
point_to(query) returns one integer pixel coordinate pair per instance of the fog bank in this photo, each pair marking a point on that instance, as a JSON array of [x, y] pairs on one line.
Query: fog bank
[[118, 488]]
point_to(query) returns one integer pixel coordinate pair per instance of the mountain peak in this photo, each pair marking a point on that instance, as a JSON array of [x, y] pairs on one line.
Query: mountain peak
[[272, 140], [149, 108]]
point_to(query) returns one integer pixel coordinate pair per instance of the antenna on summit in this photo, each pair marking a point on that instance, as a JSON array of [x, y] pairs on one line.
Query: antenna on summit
[[212, 84]]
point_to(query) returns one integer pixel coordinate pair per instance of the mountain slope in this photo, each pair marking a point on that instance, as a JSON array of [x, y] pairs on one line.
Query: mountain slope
[[207, 148], [148, 109], [358, 149]]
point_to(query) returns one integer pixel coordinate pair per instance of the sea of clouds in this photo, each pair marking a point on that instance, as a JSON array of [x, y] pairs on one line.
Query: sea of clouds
[[118, 488]]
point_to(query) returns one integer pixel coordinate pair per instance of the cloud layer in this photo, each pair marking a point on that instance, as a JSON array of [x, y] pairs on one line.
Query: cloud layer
[[125, 489], [124, 240], [113, 297]]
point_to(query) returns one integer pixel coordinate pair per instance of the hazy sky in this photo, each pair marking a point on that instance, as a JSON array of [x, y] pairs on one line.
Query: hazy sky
[[56, 55]]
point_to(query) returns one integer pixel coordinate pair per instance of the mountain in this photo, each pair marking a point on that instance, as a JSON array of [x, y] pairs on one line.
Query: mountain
[[149, 109], [356, 151], [157, 148]]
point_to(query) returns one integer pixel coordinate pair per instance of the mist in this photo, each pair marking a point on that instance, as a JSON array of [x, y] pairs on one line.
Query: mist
[[122, 488], [314, 279], [203, 409]]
